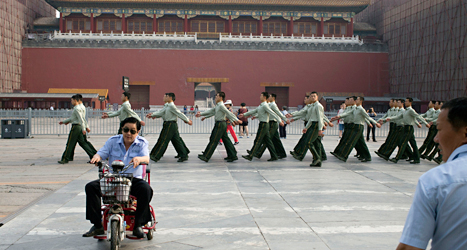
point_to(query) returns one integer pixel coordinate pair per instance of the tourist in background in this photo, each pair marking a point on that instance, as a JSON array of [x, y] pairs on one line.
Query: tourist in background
[[282, 132], [341, 121], [244, 125], [372, 114], [228, 105]]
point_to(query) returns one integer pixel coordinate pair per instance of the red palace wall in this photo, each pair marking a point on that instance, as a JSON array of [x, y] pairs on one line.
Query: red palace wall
[[45, 68]]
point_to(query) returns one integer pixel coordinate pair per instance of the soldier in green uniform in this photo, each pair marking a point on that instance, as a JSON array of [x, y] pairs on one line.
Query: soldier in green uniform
[[392, 127], [169, 132], [124, 112], [273, 130], [348, 124], [301, 148], [78, 131], [409, 118], [433, 145], [432, 131], [220, 112], [356, 139], [263, 111]]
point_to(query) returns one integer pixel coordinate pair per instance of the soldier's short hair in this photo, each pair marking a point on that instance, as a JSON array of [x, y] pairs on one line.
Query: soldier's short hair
[[456, 114], [127, 95], [172, 95]]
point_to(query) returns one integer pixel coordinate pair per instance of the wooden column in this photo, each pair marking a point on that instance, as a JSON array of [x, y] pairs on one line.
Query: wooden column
[[291, 26], [351, 27], [123, 23], [93, 29], [321, 27], [185, 28], [154, 24], [61, 23], [230, 25], [260, 25]]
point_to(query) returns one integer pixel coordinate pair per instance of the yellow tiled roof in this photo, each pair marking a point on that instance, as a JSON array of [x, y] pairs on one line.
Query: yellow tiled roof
[[308, 3], [101, 92]]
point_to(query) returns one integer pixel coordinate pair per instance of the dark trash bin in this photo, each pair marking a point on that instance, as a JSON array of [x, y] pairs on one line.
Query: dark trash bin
[[15, 128]]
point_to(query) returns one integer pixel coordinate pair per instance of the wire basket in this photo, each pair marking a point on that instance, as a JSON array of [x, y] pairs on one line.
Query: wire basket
[[115, 188]]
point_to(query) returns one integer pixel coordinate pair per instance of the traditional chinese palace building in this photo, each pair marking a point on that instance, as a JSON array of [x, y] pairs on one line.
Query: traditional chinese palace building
[[197, 47]]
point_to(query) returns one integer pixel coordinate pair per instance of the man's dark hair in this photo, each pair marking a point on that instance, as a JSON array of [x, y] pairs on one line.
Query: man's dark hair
[[132, 120], [392, 99], [221, 95], [127, 95], [266, 94], [314, 92], [402, 100], [457, 110], [77, 97], [433, 102], [172, 95], [342, 103], [347, 98], [273, 95], [362, 98], [307, 96], [242, 104], [284, 107], [354, 98], [410, 99]]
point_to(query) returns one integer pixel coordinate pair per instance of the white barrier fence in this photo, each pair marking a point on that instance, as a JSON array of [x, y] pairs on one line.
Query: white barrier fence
[[46, 122]]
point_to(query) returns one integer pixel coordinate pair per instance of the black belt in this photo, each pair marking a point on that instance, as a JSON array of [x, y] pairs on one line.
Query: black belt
[[262, 122], [220, 121], [272, 121], [407, 126], [75, 124], [170, 121]]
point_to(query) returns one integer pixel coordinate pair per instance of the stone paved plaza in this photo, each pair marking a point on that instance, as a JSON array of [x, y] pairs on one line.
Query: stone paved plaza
[[217, 205]]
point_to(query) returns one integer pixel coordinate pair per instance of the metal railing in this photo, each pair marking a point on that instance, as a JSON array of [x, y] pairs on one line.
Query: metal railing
[[46, 122]]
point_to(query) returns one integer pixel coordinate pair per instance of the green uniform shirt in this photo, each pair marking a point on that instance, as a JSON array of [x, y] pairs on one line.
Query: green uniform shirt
[[348, 119], [429, 113], [409, 117], [315, 114], [276, 110], [360, 116], [263, 111], [83, 114], [77, 117], [220, 112], [170, 112], [391, 112], [124, 112], [434, 117], [301, 114]]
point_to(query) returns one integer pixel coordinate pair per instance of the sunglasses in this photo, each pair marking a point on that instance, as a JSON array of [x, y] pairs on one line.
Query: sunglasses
[[126, 130]]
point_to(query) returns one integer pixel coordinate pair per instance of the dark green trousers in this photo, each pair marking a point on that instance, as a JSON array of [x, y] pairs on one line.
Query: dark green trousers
[[76, 136], [361, 147], [276, 140], [312, 142], [348, 127], [169, 133], [219, 132], [262, 137], [323, 152], [405, 140], [396, 141], [355, 136], [389, 139], [429, 142]]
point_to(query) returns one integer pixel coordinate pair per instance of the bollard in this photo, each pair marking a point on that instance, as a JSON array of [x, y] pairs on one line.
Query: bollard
[[29, 122]]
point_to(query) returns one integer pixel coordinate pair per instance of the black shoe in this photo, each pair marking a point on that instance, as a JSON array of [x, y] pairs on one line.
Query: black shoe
[[177, 156], [393, 160], [437, 160], [365, 160], [200, 155], [408, 159], [292, 152], [203, 158], [296, 157], [236, 143], [315, 164], [273, 159], [382, 156], [232, 159], [423, 156], [415, 162], [138, 232], [94, 231], [63, 162], [248, 152], [282, 157], [226, 158], [248, 157], [374, 141], [429, 158], [182, 159], [356, 156]]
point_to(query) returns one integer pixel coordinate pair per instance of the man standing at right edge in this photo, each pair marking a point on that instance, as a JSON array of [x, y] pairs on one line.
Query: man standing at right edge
[[220, 112], [410, 119], [263, 111]]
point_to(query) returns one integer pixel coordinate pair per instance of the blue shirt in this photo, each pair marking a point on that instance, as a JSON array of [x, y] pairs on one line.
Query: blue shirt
[[114, 149], [439, 208]]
